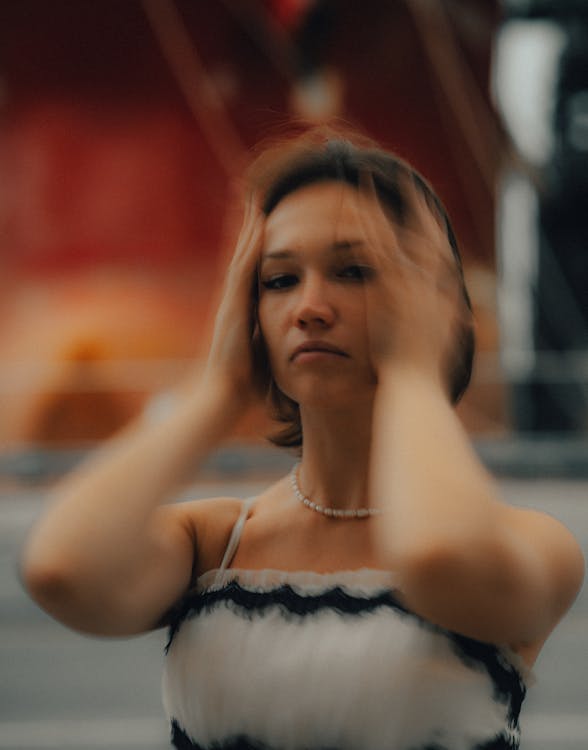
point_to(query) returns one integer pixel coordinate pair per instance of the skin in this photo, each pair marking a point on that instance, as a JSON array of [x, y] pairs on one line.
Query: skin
[[318, 292], [109, 557], [332, 269]]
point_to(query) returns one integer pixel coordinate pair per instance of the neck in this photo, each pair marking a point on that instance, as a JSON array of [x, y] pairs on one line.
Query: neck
[[335, 457]]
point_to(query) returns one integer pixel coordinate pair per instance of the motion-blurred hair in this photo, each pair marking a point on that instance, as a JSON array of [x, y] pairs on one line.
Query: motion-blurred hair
[[336, 152]]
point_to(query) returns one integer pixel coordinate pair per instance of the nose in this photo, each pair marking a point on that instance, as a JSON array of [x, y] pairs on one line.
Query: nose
[[314, 306]]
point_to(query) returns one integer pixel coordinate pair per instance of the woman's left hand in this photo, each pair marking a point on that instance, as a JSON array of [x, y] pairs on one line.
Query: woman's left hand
[[415, 303]]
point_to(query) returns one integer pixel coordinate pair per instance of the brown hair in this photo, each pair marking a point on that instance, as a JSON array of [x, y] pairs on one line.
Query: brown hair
[[332, 153]]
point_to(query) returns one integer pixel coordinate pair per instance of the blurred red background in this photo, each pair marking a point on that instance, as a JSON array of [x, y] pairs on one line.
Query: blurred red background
[[124, 127]]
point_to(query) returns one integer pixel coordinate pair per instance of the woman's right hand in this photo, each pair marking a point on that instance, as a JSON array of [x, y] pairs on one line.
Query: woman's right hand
[[106, 558], [230, 358]]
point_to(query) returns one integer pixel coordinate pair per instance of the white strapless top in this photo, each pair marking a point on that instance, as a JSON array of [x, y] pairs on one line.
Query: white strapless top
[[275, 660]]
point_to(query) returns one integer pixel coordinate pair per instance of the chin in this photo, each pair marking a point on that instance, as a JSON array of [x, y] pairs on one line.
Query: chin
[[328, 394]]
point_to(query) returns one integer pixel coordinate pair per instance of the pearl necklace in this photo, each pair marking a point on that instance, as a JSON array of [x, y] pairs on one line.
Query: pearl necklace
[[330, 512]]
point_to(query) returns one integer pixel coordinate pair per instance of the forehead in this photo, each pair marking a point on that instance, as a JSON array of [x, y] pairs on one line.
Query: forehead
[[319, 212]]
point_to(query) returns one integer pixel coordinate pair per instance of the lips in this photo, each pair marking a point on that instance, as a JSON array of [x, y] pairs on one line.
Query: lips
[[317, 346]]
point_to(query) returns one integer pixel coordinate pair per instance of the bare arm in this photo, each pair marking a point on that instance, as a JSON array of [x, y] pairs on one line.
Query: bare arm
[[105, 557], [467, 560]]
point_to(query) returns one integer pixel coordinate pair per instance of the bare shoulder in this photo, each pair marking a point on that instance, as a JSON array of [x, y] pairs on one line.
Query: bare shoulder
[[208, 522]]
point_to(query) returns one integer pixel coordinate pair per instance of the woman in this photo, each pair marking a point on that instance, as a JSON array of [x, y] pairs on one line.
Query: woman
[[380, 596]]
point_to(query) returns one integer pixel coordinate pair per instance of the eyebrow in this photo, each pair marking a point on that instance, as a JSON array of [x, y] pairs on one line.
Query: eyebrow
[[340, 246]]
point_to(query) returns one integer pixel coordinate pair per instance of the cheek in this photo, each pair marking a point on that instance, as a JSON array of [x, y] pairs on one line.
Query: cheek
[[273, 314], [358, 318], [263, 319], [269, 326], [272, 320]]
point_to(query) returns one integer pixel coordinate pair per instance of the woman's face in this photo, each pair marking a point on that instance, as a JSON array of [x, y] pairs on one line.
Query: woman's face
[[314, 277]]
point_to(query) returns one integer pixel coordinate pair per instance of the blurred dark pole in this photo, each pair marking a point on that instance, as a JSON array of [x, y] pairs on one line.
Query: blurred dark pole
[[544, 221]]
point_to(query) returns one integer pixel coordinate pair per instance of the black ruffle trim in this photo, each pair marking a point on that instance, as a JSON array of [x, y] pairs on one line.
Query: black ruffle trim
[[251, 603], [499, 743], [508, 686], [182, 741]]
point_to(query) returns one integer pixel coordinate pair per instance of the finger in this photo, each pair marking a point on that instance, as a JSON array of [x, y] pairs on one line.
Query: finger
[[234, 294], [425, 219], [402, 247], [250, 234], [432, 257], [244, 265], [250, 216], [393, 240], [380, 237], [422, 215], [248, 250]]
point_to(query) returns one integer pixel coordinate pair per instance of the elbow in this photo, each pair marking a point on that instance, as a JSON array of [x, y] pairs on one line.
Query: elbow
[[47, 584], [52, 580], [81, 607], [83, 602]]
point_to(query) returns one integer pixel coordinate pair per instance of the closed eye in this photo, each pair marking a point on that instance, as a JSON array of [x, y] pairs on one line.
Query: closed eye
[[357, 272], [280, 281]]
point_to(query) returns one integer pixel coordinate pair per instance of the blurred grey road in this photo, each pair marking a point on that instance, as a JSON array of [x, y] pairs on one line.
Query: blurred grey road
[[63, 690]]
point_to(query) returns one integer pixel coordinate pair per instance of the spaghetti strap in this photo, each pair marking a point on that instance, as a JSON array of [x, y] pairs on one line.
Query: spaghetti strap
[[236, 535]]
